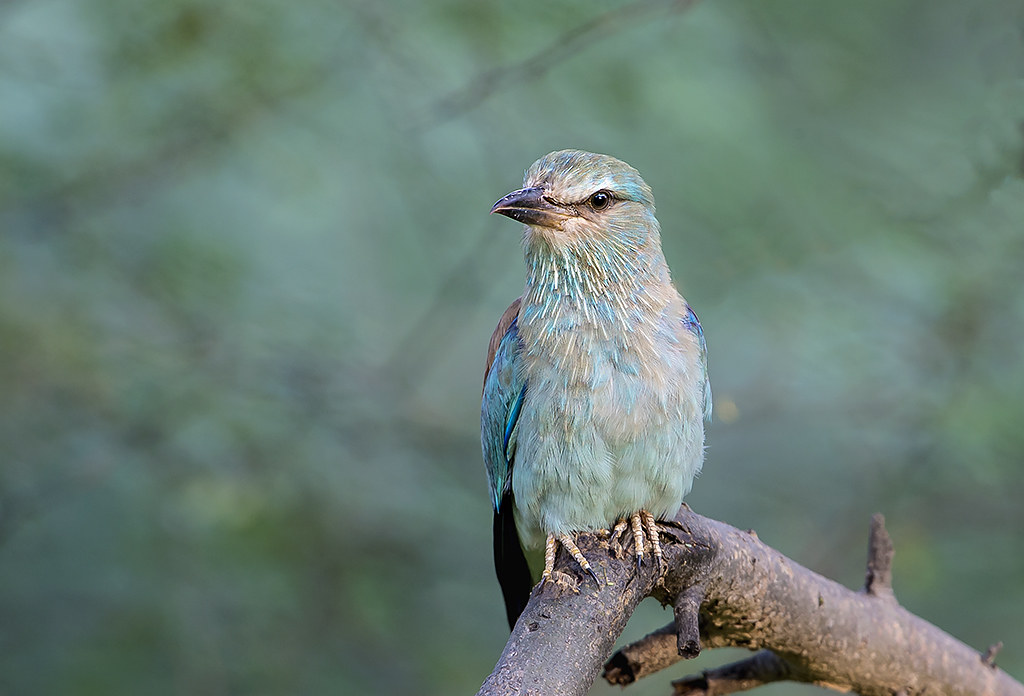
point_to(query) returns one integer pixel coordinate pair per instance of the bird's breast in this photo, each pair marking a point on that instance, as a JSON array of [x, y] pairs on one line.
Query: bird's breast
[[611, 421], [619, 381]]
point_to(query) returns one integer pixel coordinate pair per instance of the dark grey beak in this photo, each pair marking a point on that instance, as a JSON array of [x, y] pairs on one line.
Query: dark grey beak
[[529, 206]]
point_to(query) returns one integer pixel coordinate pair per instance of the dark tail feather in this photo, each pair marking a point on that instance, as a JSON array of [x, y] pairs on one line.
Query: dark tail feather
[[510, 562]]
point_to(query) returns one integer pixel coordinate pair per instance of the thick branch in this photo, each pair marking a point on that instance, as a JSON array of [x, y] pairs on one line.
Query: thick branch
[[753, 597], [570, 625]]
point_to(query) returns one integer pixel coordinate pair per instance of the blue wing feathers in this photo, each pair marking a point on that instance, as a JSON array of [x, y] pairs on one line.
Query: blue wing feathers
[[504, 392], [510, 425], [502, 403], [692, 324]]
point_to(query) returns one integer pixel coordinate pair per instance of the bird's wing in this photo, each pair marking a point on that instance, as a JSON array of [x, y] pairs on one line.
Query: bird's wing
[[504, 391], [507, 317], [692, 324]]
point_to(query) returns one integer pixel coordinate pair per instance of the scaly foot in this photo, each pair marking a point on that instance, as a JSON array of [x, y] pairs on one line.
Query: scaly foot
[[613, 533], [643, 526], [645, 535], [549, 556], [652, 533]]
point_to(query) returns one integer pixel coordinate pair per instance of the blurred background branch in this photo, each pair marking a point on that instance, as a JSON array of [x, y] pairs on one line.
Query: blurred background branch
[[569, 43]]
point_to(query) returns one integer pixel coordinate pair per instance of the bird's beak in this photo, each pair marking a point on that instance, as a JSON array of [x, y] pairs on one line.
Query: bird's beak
[[528, 205]]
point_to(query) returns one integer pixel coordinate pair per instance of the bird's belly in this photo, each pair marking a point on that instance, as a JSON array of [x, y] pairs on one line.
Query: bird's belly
[[587, 456]]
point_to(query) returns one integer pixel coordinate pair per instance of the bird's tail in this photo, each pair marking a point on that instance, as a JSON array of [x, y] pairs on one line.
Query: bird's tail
[[510, 561]]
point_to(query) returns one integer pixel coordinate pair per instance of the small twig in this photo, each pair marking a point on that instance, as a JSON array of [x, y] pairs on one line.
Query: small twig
[[763, 668], [878, 582], [687, 616], [652, 653], [989, 656]]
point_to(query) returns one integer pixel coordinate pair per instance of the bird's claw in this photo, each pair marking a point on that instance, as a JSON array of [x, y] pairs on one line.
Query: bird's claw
[[645, 535], [567, 542], [611, 533], [644, 528]]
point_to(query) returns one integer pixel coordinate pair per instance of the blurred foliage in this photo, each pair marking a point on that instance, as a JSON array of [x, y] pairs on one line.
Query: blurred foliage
[[247, 277]]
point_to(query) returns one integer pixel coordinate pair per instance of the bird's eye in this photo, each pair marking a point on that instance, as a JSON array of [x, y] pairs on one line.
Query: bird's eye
[[600, 200]]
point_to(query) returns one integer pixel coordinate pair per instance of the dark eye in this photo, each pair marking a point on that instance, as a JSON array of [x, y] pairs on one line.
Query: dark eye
[[600, 200]]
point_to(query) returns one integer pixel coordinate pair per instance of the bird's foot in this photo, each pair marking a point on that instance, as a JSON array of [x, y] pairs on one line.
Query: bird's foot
[[549, 556], [613, 534], [645, 533]]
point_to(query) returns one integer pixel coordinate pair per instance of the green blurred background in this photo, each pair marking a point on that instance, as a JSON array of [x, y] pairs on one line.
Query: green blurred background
[[247, 278]]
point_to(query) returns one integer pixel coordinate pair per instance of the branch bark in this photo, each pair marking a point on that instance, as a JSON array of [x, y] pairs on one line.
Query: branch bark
[[807, 627]]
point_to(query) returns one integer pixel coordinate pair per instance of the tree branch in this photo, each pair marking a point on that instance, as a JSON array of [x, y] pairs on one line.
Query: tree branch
[[763, 668], [687, 618], [807, 627]]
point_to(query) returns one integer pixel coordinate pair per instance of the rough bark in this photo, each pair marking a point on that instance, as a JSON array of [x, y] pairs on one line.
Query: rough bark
[[737, 592]]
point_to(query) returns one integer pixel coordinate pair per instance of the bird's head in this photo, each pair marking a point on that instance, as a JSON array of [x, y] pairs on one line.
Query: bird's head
[[572, 198]]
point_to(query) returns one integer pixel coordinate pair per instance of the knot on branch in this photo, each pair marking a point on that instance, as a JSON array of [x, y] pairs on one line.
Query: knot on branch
[[989, 656], [878, 582]]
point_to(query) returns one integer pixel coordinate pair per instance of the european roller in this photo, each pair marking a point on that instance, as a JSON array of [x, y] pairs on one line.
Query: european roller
[[596, 387]]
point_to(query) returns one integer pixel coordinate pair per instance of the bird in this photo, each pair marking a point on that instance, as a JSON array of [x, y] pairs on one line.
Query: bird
[[596, 386]]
